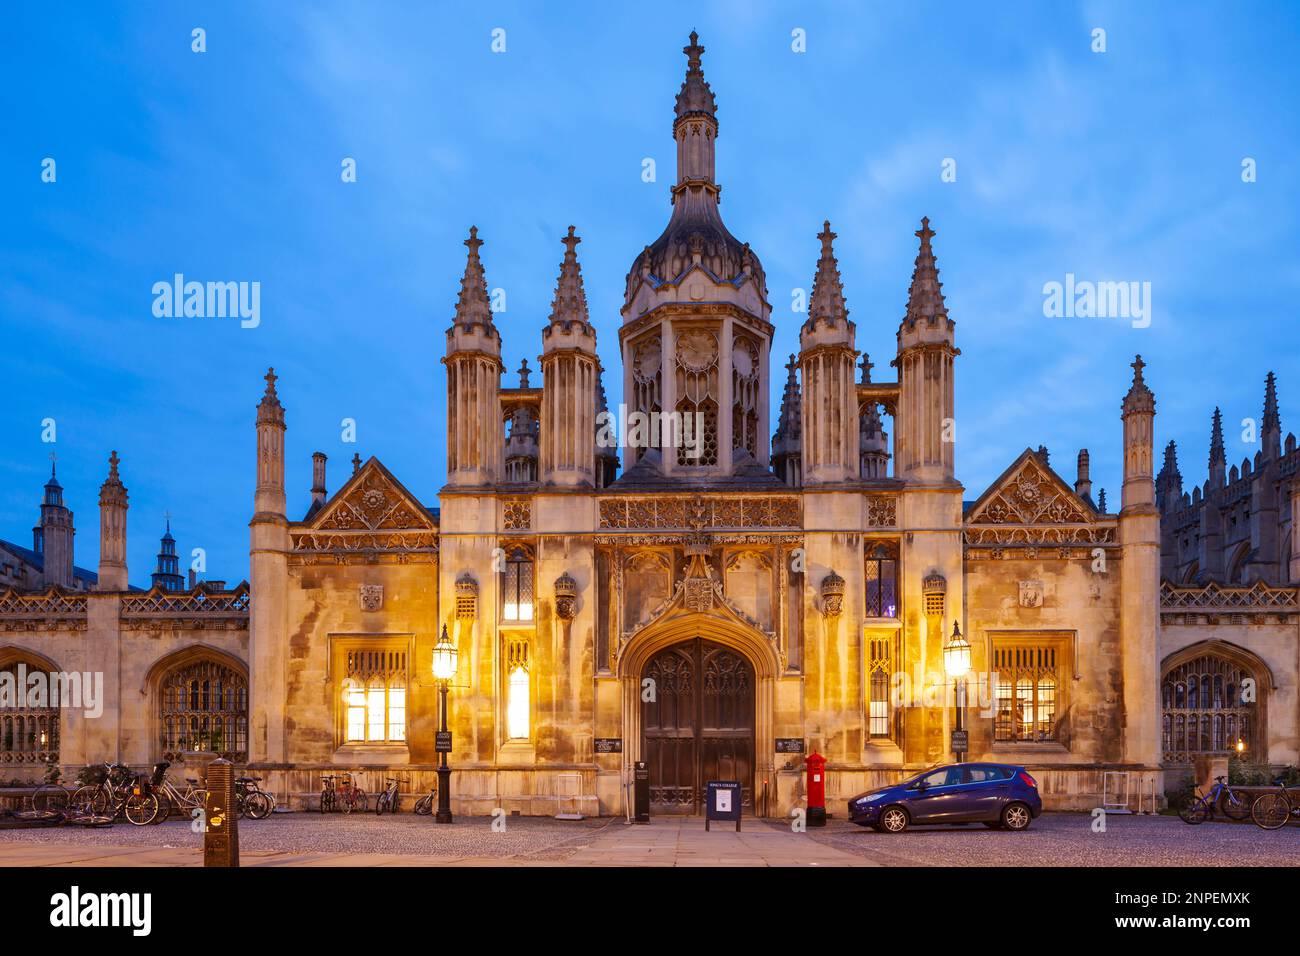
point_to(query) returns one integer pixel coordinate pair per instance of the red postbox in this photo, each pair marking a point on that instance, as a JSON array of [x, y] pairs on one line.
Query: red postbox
[[816, 765]]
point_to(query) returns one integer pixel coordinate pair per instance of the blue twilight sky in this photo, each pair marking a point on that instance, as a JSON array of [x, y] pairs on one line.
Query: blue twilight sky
[[225, 165]]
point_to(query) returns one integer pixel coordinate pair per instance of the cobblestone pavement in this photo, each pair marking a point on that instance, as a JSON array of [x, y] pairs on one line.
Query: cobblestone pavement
[[1055, 839], [524, 839], [1067, 839]]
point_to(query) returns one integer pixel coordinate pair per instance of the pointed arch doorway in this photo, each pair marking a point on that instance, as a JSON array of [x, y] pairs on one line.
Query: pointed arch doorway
[[699, 725]]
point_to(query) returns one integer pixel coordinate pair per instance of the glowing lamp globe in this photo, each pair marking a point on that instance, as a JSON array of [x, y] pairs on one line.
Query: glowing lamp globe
[[956, 654], [444, 657]]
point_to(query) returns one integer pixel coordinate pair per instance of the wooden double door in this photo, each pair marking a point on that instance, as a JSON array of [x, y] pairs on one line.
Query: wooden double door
[[697, 724]]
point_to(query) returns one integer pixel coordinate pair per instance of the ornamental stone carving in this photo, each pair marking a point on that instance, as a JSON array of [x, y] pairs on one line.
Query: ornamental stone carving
[[832, 595], [1031, 593], [466, 598], [566, 597], [371, 597]]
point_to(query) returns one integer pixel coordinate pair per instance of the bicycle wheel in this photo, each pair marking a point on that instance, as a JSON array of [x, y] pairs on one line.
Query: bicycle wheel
[[1270, 811], [1195, 811], [326, 801], [164, 806], [83, 799], [50, 797], [381, 804], [1234, 805], [257, 806], [363, 802], [141, 808], [424, 806]]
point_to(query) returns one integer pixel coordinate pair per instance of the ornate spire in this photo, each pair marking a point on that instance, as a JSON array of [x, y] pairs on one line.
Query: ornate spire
[[570, 302], [269, 409], [1271, 416], [828, 291], [1271, 430], [789, 422], [112, 491], [925, 295], [1101, 501], [1139, 397], [1217, 453], [1170, 466], [866, 365], [524, 372], [695, 95], [472, 305]]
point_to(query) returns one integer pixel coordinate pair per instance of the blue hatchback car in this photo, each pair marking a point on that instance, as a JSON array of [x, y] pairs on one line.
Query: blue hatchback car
[[998, 795]]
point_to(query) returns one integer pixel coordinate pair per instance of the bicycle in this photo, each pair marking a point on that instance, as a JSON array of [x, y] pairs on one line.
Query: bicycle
[[389, 800], [424, 806], [104, 802], [1272, 811], [102, 791], [1201, 808], [251, 799], [50, 798], [192, 798], [351, 796], [328, 795]]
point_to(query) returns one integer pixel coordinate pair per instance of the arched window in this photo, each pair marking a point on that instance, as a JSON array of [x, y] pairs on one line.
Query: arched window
[[518, 691], [29, 726], [881, 581], [517, 586], [203, 706], [1206, 710]]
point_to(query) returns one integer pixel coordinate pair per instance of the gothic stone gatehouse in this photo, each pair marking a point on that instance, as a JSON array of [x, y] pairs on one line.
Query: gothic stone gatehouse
[[774, 598]]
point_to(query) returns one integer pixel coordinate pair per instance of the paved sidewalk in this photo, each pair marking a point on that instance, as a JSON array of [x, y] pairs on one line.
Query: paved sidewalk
[[668, 841], [682, 841]]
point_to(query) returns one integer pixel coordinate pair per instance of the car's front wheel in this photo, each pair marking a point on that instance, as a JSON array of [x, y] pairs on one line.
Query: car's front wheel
[[1016, 816], [894, 820]]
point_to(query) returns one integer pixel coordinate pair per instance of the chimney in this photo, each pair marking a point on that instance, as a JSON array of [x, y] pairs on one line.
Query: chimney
[[1083, 483], [317, 480]]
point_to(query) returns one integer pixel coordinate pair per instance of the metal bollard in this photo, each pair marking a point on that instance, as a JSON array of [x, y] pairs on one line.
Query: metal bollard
[[221, 819]]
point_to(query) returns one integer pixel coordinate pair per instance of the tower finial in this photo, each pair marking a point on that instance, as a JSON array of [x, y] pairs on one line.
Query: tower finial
[[866, 365], [1139, 397], [695, 95], [472, 304], [570, 302], [925, 295], [827, 300], [1271, 427], [1218, 453]]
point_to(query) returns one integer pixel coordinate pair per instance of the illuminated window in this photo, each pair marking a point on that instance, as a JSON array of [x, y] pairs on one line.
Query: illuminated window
[[881, 581], [28, 735], [374, 696], [517, 711], [881, 670], [1205, 709], [203, 706], [517, 586], [1026, 692]]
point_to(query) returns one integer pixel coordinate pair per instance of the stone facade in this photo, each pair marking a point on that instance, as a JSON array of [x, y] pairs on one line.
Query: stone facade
[[784, 597]]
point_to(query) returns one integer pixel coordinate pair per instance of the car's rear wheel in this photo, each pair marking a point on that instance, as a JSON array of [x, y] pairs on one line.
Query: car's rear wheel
[[1016, 816], [894, 820]]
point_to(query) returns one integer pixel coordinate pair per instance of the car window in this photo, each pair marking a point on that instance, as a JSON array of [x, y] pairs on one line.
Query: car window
[[944, 777], [984, 774]]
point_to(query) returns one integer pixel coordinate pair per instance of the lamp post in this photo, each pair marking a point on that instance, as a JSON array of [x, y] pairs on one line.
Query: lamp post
[[444, 669], [956, 661]]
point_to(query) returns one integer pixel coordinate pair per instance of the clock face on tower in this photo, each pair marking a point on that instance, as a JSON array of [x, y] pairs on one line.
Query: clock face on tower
[[647, 359], [697, 350]]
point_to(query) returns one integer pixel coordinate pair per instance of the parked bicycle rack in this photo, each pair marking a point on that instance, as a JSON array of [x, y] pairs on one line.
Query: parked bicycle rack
[[1107, 805]]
